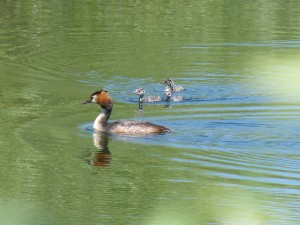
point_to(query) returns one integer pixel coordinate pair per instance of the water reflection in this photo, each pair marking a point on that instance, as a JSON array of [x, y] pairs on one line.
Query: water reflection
[[102, 157], [167, 105]]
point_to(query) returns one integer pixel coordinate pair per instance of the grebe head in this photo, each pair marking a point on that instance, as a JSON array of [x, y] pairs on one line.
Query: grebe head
[[169, 83], [101, 98], [139, 91]]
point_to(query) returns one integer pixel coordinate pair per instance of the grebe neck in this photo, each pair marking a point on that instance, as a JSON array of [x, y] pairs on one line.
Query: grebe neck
[[101, 120], [141, 102], [171, 86]]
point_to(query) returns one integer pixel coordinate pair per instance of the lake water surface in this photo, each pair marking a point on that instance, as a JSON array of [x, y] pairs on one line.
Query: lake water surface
[[233, 156]]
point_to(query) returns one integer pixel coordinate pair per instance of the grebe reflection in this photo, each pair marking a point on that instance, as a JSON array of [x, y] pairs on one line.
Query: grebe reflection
[[101, 157]]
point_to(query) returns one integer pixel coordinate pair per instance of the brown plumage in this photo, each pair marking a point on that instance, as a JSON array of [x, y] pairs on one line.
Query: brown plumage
[[104, 99]]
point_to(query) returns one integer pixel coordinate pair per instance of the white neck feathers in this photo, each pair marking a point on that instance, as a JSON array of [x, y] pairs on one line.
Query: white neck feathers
[[101, 120]]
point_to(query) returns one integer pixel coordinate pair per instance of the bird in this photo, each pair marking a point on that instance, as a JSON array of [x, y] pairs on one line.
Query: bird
[[170, 83], [125, 127], [169, 95], [141, 92]]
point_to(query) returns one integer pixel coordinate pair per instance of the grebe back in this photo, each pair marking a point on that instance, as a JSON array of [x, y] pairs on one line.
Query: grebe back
[[141, 92], [170, 83]]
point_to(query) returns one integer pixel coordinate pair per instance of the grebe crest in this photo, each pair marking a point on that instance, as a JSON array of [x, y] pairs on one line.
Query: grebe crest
[[127, 127], [141, 92], [169, 94], [170, 83]]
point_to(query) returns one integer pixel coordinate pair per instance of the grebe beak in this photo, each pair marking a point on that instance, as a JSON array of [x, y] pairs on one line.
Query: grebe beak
[[88, 101]]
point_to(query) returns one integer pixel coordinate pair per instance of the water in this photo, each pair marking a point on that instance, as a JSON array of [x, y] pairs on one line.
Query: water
[[232, 156]]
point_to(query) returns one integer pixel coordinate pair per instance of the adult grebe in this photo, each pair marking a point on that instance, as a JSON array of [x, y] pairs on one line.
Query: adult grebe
[[127, 127], [169, 93], [170, 83]]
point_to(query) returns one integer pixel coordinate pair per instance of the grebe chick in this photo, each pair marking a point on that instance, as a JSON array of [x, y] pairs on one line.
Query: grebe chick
[[141, 92], [127, 127], [169, 93], [170, 83]]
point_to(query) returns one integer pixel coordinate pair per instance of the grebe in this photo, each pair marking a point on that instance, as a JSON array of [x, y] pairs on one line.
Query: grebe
[[169, 93], [141, 92], [170, 83], [129, 127]]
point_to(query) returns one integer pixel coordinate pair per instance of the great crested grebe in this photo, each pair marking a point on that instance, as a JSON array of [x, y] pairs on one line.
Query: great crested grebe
[[170, 83], [127, 127], [141, 92], [169, 93]]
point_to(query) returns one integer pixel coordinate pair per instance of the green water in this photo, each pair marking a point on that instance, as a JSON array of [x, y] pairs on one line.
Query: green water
[[233, 154]]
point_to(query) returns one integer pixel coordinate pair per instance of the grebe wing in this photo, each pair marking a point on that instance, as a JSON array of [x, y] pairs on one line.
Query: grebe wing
[[178, 88], [152, 99], [177, 98]]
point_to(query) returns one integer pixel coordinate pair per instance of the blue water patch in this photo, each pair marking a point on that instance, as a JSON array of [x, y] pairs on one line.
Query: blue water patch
[[229, 131]]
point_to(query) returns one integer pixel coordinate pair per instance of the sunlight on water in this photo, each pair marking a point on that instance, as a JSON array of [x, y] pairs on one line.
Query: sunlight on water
[[280, 77], [15, 212], [240, 208], [243, 215]]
